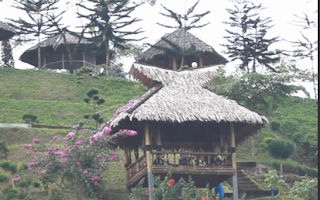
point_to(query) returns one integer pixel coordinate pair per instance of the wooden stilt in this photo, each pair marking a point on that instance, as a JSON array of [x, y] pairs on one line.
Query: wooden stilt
[[234, 163], [174, 64], [149, 161]]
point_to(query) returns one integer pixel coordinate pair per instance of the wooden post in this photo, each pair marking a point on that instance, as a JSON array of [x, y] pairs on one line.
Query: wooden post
[[234, 163], [149, 161], [174, 64], [200, 61]]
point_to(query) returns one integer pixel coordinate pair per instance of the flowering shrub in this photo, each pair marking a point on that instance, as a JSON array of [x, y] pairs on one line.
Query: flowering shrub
[[75, 166], [169, 189]]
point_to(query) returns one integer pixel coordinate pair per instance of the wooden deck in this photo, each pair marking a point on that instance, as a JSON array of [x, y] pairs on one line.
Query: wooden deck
[[201, 172]]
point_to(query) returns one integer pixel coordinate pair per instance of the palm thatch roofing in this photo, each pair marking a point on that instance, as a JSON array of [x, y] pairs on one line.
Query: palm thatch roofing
[[180, 97], [158, 57], [55, 44], [6, 31]]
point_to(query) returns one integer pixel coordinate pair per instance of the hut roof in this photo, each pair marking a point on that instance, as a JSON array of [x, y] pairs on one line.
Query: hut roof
[[6, 31], [185, 41], [182, 97], [52, 44]]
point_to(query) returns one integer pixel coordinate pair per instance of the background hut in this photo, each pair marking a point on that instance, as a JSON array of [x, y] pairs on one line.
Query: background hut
[[196, 51], [179, 115], [54, 53], [6, 31]]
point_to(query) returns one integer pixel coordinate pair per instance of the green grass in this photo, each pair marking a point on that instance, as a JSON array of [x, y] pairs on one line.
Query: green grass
[[57, 99]]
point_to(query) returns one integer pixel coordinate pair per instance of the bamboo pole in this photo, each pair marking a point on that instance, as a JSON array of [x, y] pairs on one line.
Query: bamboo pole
[[149, 161], [234, 163], [174, 64]]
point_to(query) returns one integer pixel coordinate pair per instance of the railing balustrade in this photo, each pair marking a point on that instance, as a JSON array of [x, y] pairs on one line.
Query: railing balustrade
[[200, 159], [137, 166]]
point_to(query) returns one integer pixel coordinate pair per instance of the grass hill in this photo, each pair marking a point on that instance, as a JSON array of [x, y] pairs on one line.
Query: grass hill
[[57, 99]]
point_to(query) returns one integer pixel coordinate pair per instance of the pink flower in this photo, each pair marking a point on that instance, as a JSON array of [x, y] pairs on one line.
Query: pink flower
[[67, 149], [78, 143], [107, 130], [113, 156], [75, 126], [81, 136], [55, 148], [55, 138], [27, 146], [31, 164], [95, 178], [79, 164], [72, 134], [95, 183], [16, 178], [132, 133], [65, 139], [36, 141], [85, 172]]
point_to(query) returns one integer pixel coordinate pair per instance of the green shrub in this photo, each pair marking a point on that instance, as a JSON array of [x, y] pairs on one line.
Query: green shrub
[[35, 184], [4, 177], [55, 194], [29, 118], [13, 168], [5, 164], [23, 184], [267, 140], [21, 166]]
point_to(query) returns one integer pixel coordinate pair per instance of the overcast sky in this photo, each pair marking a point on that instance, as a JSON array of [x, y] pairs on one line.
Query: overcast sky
[[281, 11]]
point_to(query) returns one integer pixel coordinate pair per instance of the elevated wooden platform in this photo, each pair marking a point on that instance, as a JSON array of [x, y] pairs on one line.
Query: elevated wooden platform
[[201, 173]]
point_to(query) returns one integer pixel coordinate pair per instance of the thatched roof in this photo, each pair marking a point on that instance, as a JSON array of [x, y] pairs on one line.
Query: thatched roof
[[181, 97], [6, 31], [153, 55], [50, 45]]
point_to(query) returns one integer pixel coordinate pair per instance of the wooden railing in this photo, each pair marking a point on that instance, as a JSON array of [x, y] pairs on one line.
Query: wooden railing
[[136, 167], [205, 159]]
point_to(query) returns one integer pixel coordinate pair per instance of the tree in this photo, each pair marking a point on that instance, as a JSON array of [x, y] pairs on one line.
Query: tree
[[181, 19], [6, 54], [305, 47], [247, 39], [36, 24], [281, 149], [106, 21]]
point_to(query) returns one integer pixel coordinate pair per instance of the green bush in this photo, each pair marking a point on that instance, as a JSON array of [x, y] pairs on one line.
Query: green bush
[[4, 177], [268, 140], [5, 164], [13, 168], [23, 184], [29, 118], [35, 184]]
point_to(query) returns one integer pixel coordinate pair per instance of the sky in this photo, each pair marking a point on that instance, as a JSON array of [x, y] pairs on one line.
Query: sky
[[281, 11]]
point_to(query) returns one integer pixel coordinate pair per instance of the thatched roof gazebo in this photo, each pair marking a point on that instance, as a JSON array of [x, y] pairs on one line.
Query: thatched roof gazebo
[[6, 31], [205, 55], [179, 115], [54, 54]]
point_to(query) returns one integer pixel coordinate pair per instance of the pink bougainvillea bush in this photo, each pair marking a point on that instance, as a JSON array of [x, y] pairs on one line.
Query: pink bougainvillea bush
[[75, 166]]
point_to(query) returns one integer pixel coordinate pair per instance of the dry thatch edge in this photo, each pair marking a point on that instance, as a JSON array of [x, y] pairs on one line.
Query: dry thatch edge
[[197, 76], [6, 27], [183, 98], [57, 40]]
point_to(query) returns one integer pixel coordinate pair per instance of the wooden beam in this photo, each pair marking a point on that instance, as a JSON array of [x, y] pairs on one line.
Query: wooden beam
[[233, 146], [149, 161], [174, 64]]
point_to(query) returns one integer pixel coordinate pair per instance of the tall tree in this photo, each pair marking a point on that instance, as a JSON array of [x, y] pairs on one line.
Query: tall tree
[[6, 54], [181, 20], [306, 48], [106, 21], [247, 40], [36, 24]]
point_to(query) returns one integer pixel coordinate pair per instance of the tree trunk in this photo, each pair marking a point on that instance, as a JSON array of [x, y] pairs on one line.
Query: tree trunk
[[39, 53], [281, 169], [106, 44]]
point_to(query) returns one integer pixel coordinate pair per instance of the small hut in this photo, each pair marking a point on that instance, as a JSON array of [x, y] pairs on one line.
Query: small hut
[[6, 31], [54, 53], [196, 51], [177, 118]]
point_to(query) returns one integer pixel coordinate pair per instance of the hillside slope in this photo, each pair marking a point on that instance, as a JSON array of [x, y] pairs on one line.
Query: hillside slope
[[57, 99]]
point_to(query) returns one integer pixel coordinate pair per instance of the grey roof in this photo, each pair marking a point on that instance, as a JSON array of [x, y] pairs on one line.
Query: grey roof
[[181, 38], [58, 40], [6, 31]]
